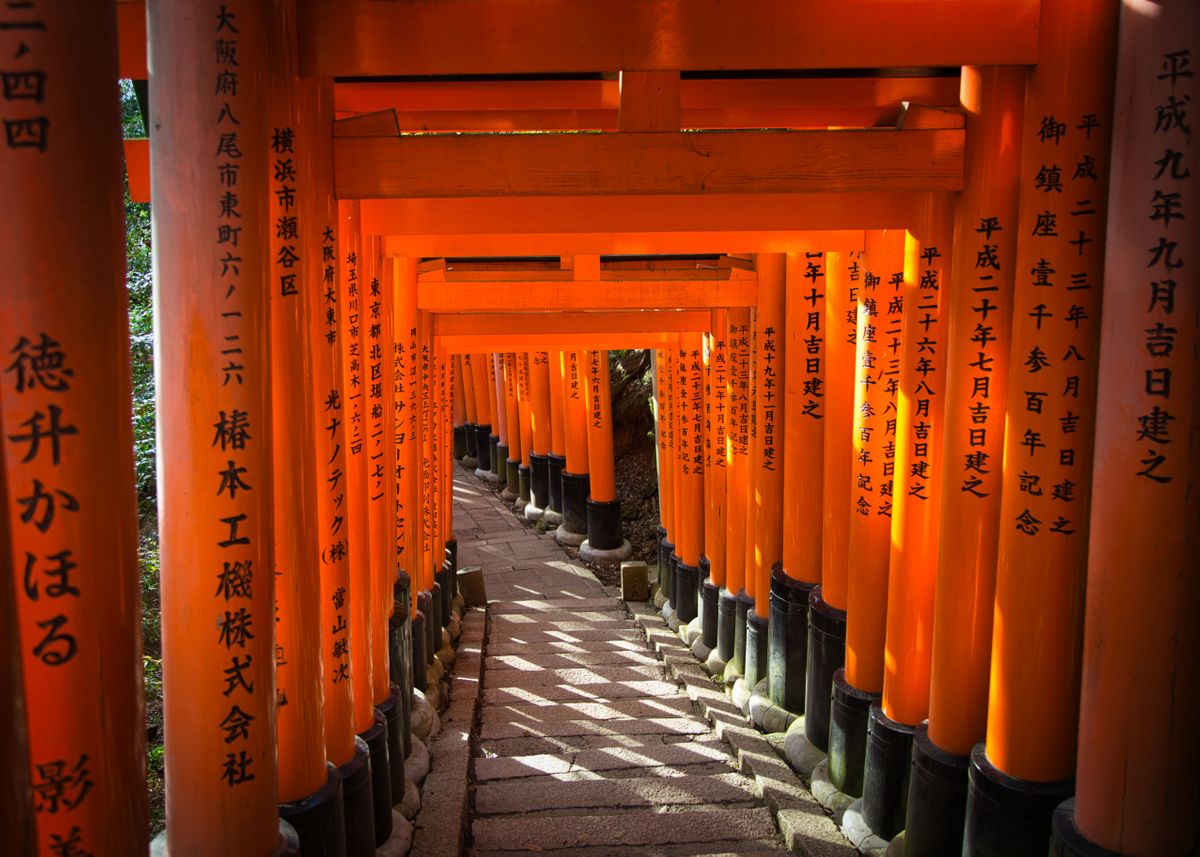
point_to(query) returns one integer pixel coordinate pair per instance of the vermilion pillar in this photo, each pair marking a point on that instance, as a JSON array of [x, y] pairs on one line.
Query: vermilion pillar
[[539, 413], [500, 460], [525, 413], [471, 408], [575, 480], [716, 469], [66, 448], [876, 380], [916, 494], [513, 420], [673, 483], [827, 602], [1135, 789], [495, 409], [1033, 696], [799, 571], [690, 455], [604, 540], [979, 313], [558, 438], [309, 794], [460, 411], [666, 491], [483, 413], [734, 603]]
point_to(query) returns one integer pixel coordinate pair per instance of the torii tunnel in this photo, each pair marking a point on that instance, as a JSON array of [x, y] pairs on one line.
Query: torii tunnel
[[915, 276]]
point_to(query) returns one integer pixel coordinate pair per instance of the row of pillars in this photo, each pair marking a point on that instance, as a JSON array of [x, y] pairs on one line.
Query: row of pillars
[[936, 494], [304, 456], [553, 442]]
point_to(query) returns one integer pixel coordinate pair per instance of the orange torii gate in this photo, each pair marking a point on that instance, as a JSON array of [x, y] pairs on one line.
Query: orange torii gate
[[966, 609]]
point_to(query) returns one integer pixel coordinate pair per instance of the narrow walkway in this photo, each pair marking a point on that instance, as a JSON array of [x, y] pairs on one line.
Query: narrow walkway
[[583, 744]]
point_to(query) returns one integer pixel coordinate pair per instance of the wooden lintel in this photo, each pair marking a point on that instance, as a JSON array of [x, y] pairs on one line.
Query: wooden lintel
[[137, 166], [364, 38], [540, 324], [914, 117], [379, 123], [556, 342], [131, 40], [649, 101], [425, 166], [537, 296]]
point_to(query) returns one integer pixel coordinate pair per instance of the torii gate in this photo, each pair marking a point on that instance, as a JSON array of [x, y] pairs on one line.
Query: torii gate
[[276, 449]]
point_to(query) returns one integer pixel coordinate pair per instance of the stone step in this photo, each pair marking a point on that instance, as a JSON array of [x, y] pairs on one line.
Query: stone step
[[651, 693], [680, 725], [759, 848], [607, 759], [548, 793], [563, 635], [628, 829], [569, 660], [579, 677], [558, 646], [553, 605], [613, 733]]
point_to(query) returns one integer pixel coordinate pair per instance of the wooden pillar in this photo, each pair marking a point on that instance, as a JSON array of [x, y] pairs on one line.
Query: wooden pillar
[[501, 407], [408, 404], [460, 410], [575, 481], [690, 455], [539, 417], [876, 380], [1033, 696], [716, 470], [605, 540], [296, 207], [768, 454], [916, 495], [470, 405], [525, 414], [827, 603], [513, 420], [495, 407], [1135, 775], [734, 604], [66, 445], [556, 459], [793, 578], [665, 455], [483, 414]]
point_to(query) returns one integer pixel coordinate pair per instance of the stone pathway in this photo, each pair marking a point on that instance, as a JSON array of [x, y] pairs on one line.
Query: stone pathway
[[583, 744]]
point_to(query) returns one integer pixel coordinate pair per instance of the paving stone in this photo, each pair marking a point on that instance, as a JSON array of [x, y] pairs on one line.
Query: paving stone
[[548, 793], [629, 726], [532, 709], [613, 736], [650, 694], [607, 759]]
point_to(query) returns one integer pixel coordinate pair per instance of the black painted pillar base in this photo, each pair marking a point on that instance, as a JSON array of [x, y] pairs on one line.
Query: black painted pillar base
[[885, 781], [417, 663], [523, 485], [669, 560], [687, 591], [494, 459], [512, 476], [673, 564], [396, 726], [744, 607], [756, 649], [709, 595], [1006, 815], [319, 819], [433, 622], [472, 456], [787, 651], [483, 448], [826, 655], [539, 480], [358, 802], [848, 717], [726, 618], [460, 442], [604, 524], [556, 464], [575, 487], [442, 576], [660, 540], [452, 558], [1067, 840], [400, 629], [381, 781], [937, 798]]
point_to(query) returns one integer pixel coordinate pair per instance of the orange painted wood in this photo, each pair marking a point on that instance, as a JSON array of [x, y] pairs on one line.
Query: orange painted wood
[[716, 461], [666, 470], [497, 373], [599, 426], [380, 123], [558, 436], [494, 418], [567, 341], [539, 395], [843, 278], [586, 295], [479, 380], [977, 372], [639, 225], [525, 405], [769, 423], [499, 98], [631, 163], [1136, 769], [737, 445], [358, 38], [460, 405], [329, 426], [575, 411], [137, 168], [541, 323], [649, 101], [467, 377], [408, 401], [352, 288], [1033, 696], [804, 414], [131, 40], [912, 573], [70, 531], [690, 448], [876, 380], [294, 289]]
